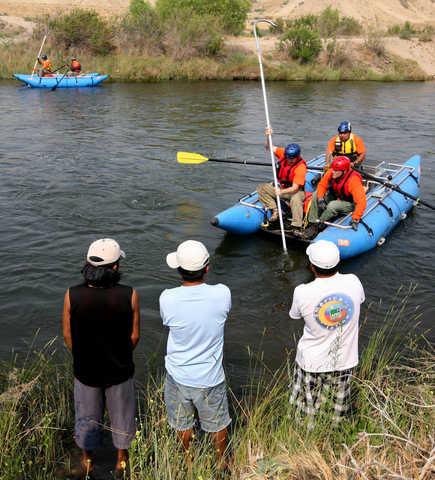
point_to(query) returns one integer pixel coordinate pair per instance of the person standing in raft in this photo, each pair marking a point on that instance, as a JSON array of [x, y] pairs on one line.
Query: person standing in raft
[[46, 66], [101, 329], [291, 173], [328, 349], [346, 144], [75, 66], [195, 314]]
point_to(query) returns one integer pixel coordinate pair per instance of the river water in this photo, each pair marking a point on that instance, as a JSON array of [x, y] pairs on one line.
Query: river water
[[77, 165]]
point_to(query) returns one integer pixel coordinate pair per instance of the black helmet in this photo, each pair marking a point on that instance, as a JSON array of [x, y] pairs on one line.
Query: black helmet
[[44, 57]]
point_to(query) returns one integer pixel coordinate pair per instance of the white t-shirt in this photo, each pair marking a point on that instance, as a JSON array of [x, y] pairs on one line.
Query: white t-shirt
[[196, 318], [330, 307]]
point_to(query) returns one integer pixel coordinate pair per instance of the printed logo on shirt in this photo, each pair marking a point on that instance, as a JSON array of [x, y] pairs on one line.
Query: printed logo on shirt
[[334, 311]]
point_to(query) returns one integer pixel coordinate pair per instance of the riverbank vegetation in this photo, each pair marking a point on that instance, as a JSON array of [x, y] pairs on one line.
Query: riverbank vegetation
[[201, 40], [388, 435]]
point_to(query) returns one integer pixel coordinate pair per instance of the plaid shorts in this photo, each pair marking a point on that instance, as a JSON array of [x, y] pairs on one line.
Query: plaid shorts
[[311, 391]]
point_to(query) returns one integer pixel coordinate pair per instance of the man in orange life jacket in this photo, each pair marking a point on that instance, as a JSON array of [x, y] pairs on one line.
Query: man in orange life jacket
[[75, 66], [346, 144], [46, 68], [291, 172], [340, 191]]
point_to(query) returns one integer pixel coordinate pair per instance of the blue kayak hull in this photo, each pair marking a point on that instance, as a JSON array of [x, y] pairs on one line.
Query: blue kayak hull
[[59, 81], [385, 209]]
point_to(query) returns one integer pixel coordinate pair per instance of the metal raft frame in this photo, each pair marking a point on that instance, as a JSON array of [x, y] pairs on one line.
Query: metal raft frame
[[379, 170]]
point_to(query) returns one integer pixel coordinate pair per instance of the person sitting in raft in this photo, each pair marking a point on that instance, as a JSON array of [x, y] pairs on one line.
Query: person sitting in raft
[[291, 172], [346, 144], [46, 68], [340, 191], [75, 66]]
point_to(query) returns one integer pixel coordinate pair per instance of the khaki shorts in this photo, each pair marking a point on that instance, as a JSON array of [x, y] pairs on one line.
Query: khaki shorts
[[183, 402]]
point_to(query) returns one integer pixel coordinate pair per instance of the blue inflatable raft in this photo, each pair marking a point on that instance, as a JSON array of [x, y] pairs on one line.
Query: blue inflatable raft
[[61, 81], [385, 209]]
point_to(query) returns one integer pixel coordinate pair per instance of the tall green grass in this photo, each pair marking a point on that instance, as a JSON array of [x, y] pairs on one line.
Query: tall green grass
[[388, 435]]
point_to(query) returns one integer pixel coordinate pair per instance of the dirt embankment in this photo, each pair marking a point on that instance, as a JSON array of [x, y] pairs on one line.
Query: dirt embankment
[[16, 16]]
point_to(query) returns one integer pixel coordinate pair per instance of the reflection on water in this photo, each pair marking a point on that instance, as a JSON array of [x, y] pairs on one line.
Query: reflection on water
[[81, 164]]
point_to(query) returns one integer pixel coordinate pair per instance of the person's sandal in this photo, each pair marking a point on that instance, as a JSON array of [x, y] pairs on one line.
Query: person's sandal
[[122, 473]]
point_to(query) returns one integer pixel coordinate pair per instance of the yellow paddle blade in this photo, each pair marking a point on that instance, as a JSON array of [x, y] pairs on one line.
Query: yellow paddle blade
[[192, 158]]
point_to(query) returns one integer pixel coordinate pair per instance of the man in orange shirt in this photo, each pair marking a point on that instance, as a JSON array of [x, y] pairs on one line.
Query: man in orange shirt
[[46, 68], [291, 172], [75, 66], [346, 144], [340, 191]]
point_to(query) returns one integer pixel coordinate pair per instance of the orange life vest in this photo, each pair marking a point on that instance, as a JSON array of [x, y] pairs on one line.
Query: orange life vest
[[340, 187], [75, 66], [47, 66], [286, 171]]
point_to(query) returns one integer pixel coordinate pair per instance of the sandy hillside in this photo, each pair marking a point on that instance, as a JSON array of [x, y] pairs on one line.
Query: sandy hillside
[[380, 13]]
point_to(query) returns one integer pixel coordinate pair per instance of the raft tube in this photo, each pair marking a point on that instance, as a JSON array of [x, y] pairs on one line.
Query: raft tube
[[385, 209], [60, 81]]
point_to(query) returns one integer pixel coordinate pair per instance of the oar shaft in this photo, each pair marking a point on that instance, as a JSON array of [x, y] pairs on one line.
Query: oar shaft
[[269, 136], [39, 54], [392, 186]]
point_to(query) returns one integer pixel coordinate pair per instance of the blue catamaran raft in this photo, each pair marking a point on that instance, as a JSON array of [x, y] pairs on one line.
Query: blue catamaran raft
[[62, 81], [386, 207]]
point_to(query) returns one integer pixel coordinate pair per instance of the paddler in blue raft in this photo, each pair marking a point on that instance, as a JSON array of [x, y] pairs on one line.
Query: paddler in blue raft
[[291, 173]]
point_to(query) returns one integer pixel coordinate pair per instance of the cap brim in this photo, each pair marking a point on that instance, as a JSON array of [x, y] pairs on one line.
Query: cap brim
[[171, 260], [122, 254]]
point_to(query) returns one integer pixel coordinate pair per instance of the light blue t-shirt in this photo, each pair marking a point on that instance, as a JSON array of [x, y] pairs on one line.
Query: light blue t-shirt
[[196, 318]]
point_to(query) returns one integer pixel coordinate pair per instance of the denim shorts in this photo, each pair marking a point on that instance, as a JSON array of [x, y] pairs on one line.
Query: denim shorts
[[90, 402], [210, 403]]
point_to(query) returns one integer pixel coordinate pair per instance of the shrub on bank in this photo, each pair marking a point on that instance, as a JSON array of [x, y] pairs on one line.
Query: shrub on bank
[[141, 29], [83, 30], [191, 35], [328, 24], [301, 43], [405, 31], [231, 13]]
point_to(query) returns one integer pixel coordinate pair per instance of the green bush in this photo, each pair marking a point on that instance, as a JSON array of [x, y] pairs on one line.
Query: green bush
[[188, 35], [328, 22], [405, 32], [231, 13], [301, 43], [349, 26], [82, 29], [141, 28]]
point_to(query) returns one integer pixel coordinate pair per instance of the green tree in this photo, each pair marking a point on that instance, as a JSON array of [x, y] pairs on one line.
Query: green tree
[[83, 29], [301, 43], [232, 13], [140, 8]]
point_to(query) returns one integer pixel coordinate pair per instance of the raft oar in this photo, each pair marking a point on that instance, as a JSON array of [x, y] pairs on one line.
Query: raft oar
[[196, 159], [57, 82], [394, 187]]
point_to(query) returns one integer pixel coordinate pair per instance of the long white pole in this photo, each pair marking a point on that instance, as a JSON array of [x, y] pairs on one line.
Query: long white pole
[[39, 54], [269, 129]]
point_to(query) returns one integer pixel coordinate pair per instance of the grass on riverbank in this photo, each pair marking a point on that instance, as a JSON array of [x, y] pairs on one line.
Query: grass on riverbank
[[234, 65], [389, 435]]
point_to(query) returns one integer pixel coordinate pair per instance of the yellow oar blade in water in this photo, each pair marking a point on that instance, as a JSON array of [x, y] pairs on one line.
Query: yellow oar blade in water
[[192, 158]]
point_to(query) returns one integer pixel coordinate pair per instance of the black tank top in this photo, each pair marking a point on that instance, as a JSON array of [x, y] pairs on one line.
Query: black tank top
[[101, 327]]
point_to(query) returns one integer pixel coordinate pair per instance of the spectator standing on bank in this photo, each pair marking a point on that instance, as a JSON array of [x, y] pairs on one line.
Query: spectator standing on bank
[[328, 349], [101, 329], [195, 313]]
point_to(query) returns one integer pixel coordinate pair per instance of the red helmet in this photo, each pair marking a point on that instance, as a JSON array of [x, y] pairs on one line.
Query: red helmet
[[340, 163]]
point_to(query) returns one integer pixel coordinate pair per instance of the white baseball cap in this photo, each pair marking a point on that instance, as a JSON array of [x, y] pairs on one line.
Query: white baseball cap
[[104, 252], [323, 254], [190, 255]]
